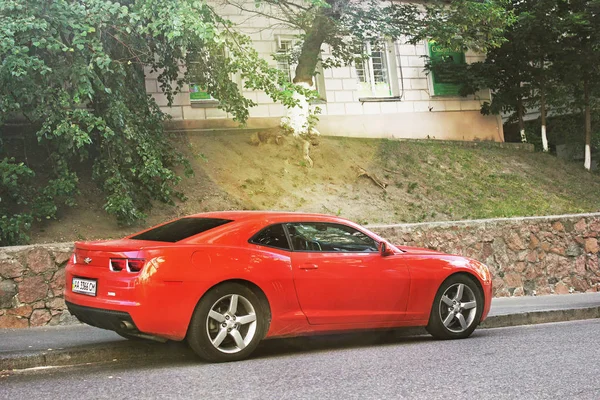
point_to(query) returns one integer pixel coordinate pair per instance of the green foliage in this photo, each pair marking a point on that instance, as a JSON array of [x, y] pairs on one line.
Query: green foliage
[[551, 49], [463, 25], [74, 71], [563, 129], [412, 186], [16, 178]]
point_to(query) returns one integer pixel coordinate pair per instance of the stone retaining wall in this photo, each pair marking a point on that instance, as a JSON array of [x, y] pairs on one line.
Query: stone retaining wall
[[527, 256], [32, 280]]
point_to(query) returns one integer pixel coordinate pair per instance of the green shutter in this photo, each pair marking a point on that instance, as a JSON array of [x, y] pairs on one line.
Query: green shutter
[[444, 82], [197, 94]]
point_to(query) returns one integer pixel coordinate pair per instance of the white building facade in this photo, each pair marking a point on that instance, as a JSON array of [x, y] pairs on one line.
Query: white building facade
[[387, 96]]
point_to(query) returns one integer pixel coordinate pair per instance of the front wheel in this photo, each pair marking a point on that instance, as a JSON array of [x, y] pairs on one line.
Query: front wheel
[[457, 309], [228, 323]]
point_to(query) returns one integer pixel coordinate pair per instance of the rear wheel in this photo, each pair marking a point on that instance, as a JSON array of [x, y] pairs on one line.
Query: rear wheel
[[457, 309], [228, 323]]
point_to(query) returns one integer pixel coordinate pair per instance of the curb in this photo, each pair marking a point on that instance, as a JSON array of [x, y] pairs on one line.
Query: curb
[[95, 354], [180, 351], [540, 317]]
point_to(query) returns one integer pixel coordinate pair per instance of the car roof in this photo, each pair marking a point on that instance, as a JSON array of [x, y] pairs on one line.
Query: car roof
[[254, 220], [260, 219], [261, 215]]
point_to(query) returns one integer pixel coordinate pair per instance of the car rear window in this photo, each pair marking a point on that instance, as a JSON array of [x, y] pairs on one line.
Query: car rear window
[[180, 229]]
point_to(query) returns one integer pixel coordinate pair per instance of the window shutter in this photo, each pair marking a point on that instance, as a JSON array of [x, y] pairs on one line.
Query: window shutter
[[198, 94], [444, 82]]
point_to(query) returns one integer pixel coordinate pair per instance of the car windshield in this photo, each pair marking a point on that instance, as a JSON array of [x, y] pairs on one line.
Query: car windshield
[[180, 229]]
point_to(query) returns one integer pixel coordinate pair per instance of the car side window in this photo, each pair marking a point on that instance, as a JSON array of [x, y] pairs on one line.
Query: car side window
[[272, 236], [329, 237]]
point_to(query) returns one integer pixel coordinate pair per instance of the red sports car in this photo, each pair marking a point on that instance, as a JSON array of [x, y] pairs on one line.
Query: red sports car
[[226, 280]]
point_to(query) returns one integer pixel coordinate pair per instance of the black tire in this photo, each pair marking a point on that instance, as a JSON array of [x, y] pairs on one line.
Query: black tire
[[441, 309], [202, 326]]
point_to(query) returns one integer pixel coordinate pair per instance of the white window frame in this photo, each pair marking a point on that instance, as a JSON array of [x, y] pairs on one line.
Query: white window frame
[[391, 71]]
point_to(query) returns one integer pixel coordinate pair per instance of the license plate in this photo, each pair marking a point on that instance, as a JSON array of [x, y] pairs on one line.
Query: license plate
[[84, 286]]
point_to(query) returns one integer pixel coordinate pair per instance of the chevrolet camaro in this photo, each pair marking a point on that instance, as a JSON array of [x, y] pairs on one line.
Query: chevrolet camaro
[[224, 281]]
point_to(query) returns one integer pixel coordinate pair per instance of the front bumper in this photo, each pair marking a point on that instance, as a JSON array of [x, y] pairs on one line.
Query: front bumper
[[101, 318]]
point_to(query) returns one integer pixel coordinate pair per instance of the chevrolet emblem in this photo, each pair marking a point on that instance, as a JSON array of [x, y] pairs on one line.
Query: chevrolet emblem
[[87, 260]]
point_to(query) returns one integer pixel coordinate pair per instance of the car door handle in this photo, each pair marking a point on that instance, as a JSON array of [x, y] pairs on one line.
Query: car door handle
[[309, 266]]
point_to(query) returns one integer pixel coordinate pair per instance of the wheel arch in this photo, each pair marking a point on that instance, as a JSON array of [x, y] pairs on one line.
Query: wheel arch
[[469, 275], [251, 285]]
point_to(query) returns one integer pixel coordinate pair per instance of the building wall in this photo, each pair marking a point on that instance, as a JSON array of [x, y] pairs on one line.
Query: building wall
[[417, 114]]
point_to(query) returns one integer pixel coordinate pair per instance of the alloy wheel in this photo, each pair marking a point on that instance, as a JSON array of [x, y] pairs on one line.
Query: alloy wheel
[[458, 308], [231, 323]]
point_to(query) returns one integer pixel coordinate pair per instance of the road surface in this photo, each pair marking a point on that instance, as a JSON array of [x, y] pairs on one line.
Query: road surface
[[548, 361]]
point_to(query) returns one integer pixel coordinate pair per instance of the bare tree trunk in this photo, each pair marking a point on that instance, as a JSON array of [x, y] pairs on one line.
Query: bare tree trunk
[[311, 50], [543, 112], [297, 118], [587, 164], [520, 112]]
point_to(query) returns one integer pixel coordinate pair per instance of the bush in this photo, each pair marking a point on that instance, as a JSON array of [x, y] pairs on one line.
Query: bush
[[74, 70]]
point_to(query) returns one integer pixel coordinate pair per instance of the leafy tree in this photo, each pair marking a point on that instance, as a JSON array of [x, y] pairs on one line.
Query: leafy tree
[[536, 28], [518, 70], [74, 71], [550, 58], [579, 61]]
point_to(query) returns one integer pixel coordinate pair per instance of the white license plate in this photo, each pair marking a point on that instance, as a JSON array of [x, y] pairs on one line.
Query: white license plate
[[84, 286]]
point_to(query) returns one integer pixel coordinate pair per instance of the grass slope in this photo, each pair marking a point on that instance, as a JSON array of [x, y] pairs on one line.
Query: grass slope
[[427, 181]]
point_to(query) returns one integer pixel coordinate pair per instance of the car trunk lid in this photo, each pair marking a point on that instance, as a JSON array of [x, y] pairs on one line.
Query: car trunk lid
[[98, 254]]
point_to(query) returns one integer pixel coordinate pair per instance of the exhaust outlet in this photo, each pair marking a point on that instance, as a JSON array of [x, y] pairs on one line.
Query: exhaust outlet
[[127, 325]]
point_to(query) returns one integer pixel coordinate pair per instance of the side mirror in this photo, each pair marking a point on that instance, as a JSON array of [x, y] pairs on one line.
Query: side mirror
[[384, 250]]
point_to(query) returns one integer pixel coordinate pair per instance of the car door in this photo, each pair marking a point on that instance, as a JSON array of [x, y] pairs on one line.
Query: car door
[[341, 278]]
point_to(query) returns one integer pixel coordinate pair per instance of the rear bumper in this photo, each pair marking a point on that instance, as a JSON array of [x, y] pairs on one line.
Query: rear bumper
[[101, 318], [151, 305]]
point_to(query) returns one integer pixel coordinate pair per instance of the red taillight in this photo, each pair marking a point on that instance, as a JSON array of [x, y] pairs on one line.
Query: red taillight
[[128, 264], [135, 265], [118, 264], [73, 259]]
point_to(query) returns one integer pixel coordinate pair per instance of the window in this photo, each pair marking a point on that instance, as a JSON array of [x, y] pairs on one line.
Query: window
[[326, 237], [201, 98], [443, 82], [377, 73], [272, 236], [285, 46], [197, 94], [180, 229]]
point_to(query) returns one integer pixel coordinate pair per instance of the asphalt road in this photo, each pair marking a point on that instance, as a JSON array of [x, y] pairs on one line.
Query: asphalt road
[[549, 361], [59, 337]]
